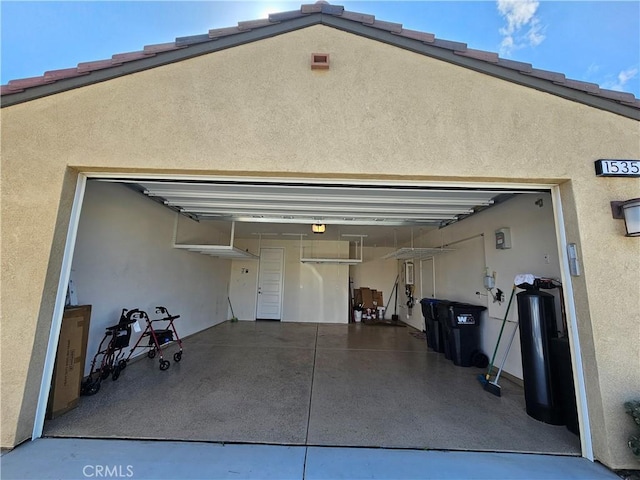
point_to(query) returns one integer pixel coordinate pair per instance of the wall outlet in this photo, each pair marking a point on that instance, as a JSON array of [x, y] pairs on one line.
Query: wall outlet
[[547, 259]]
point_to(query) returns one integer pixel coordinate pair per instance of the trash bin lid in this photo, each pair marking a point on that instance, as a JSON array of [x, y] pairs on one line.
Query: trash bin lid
[[428, 300]]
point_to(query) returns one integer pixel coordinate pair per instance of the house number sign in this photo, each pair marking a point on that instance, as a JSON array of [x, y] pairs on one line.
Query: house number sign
[[617, 168]]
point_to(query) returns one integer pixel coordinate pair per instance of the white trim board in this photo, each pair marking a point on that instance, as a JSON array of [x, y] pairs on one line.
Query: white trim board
[[58, 310]]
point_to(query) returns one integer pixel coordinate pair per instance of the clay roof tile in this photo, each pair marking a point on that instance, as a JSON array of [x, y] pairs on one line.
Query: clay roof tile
[[490, 57], [97, 65], [251, 24], [130, 56], [28, 82], [192, 40], [416, 35], [8, 89], [311, 8], [283, 16], [584, 86], [63, 73], [449, 45], [389, 26], [619, 96], [223, 32], [358, 17], [161, 47], [547, 75], [513, 65]]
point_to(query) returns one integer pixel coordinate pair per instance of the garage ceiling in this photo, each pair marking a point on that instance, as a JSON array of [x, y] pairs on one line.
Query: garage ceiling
[[388, 215]]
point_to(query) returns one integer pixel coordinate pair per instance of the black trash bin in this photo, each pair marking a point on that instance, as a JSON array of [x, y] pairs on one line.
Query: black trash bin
[[462, 332], [444, 329], [432, 327], [437, 310]]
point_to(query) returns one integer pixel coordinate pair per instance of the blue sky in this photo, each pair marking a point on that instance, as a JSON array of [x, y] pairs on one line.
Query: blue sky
[[593, 41]]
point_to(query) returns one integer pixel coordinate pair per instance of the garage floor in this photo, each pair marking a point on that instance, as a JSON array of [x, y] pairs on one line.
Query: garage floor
[[310, 384]]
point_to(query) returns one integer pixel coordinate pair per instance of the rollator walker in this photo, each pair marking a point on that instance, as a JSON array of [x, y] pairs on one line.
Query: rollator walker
[[158, 339], [111, 357]]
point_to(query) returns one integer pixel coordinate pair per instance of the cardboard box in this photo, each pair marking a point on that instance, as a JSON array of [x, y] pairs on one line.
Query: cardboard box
[[378, 298], [367, 297], [357, 297], [70, 359]]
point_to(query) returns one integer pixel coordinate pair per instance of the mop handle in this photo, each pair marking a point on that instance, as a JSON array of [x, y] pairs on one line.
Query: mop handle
[[506, 353], [504, 322]]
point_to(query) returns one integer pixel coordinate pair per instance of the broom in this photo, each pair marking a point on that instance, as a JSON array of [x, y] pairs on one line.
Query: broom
[[233, 315], [493, 387], [484, 379]]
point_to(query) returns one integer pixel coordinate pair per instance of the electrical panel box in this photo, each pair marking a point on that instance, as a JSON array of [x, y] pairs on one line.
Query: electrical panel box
[[503, 238]]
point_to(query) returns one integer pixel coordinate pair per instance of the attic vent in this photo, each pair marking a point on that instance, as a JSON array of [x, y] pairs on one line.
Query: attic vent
[[319, 61]]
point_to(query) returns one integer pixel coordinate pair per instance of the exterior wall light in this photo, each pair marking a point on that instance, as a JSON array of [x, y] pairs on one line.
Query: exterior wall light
[[318, 228], [630, 211]]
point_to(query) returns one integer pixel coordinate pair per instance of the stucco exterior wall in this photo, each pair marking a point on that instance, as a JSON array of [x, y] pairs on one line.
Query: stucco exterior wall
[[379, 111]]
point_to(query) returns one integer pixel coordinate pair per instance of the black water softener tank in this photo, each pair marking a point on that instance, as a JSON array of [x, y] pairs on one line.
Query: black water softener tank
[[537, 317]]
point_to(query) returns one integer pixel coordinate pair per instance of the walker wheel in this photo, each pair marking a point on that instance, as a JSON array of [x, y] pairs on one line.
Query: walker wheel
[[115, 374], [177, 356], [151, 353], [91, 389], [122, 364], [105, 371], [84, 387], [164, 364]]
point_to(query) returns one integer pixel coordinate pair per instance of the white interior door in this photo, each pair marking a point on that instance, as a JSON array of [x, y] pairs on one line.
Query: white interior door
[[270, 283]]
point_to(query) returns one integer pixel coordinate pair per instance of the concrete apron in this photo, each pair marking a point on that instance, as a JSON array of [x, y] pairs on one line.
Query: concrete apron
[[60, 458]]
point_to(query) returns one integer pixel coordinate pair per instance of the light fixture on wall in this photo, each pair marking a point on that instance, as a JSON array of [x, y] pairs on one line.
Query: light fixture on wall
[[630, 212], [318, 228]]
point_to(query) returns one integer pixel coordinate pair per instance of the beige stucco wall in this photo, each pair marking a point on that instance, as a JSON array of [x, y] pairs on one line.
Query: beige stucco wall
[[379, 110]]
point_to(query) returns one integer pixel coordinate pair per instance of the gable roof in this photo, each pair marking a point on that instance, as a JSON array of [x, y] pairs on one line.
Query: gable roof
[[55, 81]]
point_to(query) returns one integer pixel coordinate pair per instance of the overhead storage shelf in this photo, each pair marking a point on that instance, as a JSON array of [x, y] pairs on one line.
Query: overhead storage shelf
[[222, 251], [341, 261], [408, 253], [336, 261]]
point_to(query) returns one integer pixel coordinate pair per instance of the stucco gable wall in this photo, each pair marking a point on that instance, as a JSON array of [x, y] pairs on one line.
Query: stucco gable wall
[[379, 110], [260, 103]]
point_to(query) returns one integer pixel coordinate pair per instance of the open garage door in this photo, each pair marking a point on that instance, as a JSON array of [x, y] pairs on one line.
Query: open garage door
[[139, 245]]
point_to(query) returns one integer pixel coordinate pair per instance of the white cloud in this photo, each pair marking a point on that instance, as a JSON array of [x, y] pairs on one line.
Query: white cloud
[[535, 35], [593, 69], [523, 27], [619, 84]]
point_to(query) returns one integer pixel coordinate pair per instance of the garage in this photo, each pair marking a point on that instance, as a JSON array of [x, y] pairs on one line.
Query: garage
[[172, 177], [299, 370]]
